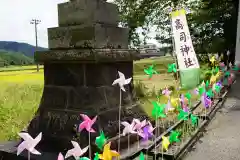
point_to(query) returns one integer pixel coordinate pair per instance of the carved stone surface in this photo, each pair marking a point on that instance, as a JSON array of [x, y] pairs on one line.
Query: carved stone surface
[[88, 36], [88, 55], [86, 12]]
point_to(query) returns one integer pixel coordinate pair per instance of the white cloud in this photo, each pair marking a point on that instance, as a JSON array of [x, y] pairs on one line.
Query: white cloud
[[15, 17]]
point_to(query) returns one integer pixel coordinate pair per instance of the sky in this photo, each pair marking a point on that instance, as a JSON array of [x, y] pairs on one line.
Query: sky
[[15, 17]]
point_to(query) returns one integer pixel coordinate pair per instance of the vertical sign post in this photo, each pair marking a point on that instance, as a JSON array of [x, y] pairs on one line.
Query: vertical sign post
[[187, 61]]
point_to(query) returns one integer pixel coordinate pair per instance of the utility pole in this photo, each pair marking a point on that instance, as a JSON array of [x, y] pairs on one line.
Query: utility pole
[[36, 22]]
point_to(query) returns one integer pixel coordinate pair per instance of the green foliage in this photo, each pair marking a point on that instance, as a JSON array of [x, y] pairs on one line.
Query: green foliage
[[14, 58], [212, 23]]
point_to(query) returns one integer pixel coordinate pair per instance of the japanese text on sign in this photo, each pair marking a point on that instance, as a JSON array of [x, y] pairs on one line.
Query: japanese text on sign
[[183, 44]]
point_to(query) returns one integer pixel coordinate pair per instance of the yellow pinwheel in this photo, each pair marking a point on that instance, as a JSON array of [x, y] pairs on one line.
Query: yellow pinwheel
[[213, 79], [108, 154], [165, 143], [175, 102], [213, 60]]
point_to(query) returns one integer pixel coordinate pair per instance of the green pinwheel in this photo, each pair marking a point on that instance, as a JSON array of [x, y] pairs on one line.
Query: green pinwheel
[[174, 137], [141, 157], [158, 110], [227, 74], [182, 115], [188, 96], [172, 68], [215, 70], [96, 157], [194, 120], [209, 93], [235, 68], [150, 71], [201, 90], [217, 88], [100, 140], [84, 158], [207, 84]]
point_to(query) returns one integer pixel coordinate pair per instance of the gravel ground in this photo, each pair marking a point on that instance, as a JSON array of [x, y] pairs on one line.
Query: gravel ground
[[222, 139]]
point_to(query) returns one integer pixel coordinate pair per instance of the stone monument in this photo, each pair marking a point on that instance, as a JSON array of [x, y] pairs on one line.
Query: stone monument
[[85, 54]]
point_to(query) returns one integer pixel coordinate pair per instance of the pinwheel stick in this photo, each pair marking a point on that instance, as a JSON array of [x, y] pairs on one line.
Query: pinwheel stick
[[89, 142], [119, 118], [29, 156]]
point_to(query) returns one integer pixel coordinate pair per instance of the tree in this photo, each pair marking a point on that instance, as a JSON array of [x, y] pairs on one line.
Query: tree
[[212, 23]]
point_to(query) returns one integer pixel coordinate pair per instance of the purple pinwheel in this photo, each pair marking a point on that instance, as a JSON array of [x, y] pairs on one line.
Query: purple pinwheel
[[147, 132], [196, 91], [206, 101], [219, 83], [166, 92]]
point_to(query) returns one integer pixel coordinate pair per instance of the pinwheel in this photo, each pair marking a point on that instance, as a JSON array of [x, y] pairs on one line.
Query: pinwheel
[[128, 128], [210, 93], [166, 92], [215, 70], [76, 152], [185, 108], [188, 96], [213, 79], [121, 81], [138, 124], [172, 68], [141, 157], [174, 137], [147, 132], [165, 143], [206, 101], [227, 74], [235, 68], [217, 88], [158, 110], [169, 107], [100, 140], [60, 156], [150, 71], [182, 115], [96, 157], [201, 90], [87, 124], [108, 154], [213, 60], [84, 158], [207, 84], [222, 66], [29, 144], [194, 119]]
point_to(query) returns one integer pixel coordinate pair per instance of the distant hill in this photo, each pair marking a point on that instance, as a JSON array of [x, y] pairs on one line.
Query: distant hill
[[14, 58], [24, 48]]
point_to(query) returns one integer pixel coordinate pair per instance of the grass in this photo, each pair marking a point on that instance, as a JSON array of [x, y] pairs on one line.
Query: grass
[[21, 92]]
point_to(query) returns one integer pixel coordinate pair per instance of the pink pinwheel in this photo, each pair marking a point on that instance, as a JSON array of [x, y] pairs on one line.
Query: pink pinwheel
[[138, 124], [87, 123], [129, 128], [206, 101], [185, 108], [60, 156], [166, 92]]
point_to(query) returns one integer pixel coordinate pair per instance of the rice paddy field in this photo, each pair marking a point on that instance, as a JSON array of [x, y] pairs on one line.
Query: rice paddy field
[[21, 91]]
